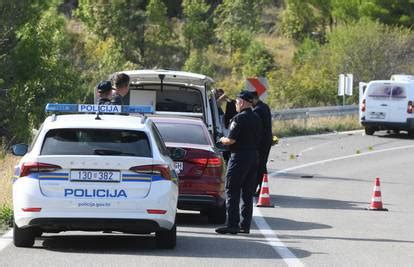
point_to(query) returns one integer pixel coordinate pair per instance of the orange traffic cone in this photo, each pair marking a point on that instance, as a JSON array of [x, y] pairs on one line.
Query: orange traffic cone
[[376, 202], [264, 197]]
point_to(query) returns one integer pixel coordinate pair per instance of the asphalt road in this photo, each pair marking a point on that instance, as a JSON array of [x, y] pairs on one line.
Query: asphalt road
[[320, 186]]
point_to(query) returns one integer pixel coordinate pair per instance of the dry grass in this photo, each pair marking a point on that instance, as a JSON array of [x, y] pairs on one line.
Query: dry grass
[[7, 163], [315, 125]]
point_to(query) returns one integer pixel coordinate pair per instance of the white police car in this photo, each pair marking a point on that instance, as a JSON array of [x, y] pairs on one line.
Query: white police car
[[95, 172]]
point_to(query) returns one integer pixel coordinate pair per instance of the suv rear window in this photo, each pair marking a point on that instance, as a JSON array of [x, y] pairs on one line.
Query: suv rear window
[[106, 142], [182, 133]]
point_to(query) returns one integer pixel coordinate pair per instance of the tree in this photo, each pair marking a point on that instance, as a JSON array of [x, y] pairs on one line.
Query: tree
[[298, 20], [124, 20], [198, 29], [370, 50], [159, 38], [237, 21], [45, 73], [391, 12], [13, 15], [257, 61], [197, 62]]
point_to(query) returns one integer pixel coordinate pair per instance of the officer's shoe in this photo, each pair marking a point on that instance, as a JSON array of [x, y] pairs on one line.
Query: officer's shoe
[[227, 230], [244, 231]]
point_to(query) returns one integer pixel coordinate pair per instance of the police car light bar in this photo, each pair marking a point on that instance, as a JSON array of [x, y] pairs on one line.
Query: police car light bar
[[90, 108]]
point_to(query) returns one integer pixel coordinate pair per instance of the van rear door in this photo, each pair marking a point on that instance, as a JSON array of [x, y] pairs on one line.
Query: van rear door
[[377, 101], [397, 107]]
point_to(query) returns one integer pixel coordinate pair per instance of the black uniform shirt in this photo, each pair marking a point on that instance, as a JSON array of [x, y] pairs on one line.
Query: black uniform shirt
[[104, 101], [263, 111], [117, 99], [246, 129]]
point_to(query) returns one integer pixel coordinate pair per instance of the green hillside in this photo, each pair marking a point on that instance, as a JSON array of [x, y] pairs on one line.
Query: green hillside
[[57, 51]]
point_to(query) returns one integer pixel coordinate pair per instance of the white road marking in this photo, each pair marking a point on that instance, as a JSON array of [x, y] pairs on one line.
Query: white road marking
[[273, 240], [338, 158], [271, 237], [6, 239]]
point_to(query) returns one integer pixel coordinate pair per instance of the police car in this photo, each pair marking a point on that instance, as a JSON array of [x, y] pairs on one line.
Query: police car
[[96, 172]]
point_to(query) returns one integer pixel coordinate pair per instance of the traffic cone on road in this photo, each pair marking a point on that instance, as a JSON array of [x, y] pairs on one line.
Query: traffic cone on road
[[376, 201], [264, 197]]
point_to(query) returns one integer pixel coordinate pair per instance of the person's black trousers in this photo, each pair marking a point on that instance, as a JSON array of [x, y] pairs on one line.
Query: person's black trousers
[[262, 169], [240, 181]]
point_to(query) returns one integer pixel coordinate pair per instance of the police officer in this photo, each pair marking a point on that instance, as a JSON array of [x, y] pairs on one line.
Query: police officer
[[243, 138], [104, 92], [263, 112]]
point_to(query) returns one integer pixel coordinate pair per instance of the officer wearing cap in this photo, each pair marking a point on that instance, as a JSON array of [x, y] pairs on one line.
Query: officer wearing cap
[[104, 92], [263, 112], [243, 140]]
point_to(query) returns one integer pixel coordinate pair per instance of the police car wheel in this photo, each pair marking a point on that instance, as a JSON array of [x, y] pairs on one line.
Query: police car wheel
[[23, 237], [166, 239], [217, 215]]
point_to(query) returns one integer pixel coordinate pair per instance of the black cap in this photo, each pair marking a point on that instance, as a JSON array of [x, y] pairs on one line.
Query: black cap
[[104, 86], [246, 95]]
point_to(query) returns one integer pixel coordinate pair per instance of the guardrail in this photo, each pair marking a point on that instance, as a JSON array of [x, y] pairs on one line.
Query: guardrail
[[315, 112]]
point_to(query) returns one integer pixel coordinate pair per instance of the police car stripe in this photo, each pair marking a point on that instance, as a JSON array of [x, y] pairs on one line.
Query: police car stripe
[[134, 175], [134, 180], [54, 176]]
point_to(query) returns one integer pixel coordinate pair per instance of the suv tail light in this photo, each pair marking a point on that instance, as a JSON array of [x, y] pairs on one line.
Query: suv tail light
[[33, 167], [363, 106], [410, 107], [159, 169]]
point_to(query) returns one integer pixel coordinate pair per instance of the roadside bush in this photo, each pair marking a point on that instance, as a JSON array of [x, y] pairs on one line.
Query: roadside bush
[[369, 50], [6, 215]]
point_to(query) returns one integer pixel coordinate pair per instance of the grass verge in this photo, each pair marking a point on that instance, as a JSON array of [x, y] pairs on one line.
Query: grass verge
[[7, 163], [310, 126]]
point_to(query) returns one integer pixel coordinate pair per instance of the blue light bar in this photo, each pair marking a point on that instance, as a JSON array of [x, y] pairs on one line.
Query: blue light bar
[[61, 107], [90, 108]]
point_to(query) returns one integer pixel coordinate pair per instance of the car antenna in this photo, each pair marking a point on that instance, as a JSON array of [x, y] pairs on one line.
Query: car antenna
[[97, 116], [162, 77]]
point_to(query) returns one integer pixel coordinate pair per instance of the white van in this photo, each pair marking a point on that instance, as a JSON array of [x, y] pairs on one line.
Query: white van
[[176, 93], [402, 77], [387, 105]]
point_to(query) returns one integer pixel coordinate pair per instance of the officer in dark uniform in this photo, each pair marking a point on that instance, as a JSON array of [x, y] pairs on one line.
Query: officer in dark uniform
[[104, 91], [263, 111], [243, 139]]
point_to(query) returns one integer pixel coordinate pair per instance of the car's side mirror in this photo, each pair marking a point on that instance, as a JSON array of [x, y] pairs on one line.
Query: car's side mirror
[[177, 153], [20, 149]]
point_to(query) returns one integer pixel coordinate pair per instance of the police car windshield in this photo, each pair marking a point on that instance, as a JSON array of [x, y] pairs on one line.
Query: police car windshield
[[184, 133], [104, 142]]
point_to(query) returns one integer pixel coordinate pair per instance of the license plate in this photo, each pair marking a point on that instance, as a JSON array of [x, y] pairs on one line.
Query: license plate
[[95, 176], [179, 166], [377, 115]]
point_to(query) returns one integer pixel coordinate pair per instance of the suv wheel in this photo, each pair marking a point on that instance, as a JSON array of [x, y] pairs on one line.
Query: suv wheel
[[217, 215], [369, 130], [23, 237], [166, 239]]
